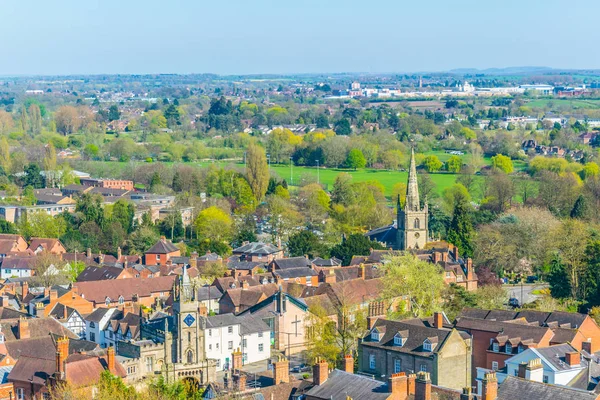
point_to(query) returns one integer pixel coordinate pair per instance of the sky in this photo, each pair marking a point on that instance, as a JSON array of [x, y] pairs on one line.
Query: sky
[[61, 37]]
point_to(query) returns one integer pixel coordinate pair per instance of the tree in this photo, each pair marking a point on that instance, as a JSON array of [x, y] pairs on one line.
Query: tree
[[257, 171], [305, 243], [48, 270], [33, 176], [123, 212], [454, 164], [35, 119], [456, 298], [558, 279], [573, 251], [356, 159], [460, 232], [67, 120], [6, 122], [41, 224], [7, 227], [342, 127], [579, 210], [214, 224], [432, 164], [172, 226], [502, 163], [90, 207], [50, 165], [113, 113], [5, 161], [356, 244], [420, 281]]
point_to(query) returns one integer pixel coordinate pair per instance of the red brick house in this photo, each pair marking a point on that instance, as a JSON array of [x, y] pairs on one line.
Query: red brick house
[[161, 252]]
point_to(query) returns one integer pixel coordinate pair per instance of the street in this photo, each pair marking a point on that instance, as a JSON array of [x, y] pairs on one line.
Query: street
[[524, 293]]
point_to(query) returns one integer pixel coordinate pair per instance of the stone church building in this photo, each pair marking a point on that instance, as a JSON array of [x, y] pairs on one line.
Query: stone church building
[[410, 230]]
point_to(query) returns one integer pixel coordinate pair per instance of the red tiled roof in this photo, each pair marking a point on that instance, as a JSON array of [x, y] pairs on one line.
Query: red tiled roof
[[98, 291]]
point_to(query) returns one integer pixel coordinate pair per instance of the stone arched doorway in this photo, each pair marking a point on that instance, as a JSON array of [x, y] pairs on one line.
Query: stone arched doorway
[[191, 384]]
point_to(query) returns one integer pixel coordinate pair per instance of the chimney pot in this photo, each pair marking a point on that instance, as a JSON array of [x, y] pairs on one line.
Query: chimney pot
[[490, 387], [320, 372], [398, 386], [438, 320], [573, 358], [349, 363], [281, 372], [110, 359], [423, 386]]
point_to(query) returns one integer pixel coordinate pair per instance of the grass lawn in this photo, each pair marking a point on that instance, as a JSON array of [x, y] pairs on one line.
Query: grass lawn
[[575, 104]]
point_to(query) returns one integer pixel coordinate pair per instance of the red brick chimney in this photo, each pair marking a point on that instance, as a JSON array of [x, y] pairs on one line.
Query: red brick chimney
[[423, 387], [119, 254], [437, 257], [62, 352], [110, 359], [470, 272], [349, 363], [245, 284], [25, 289], [329, 276], [455, 253], [281, 371], [412, 383], [586, 346], [194, 259], [236, 360], [398, 386], [361, 271], [438, 320], [239, 381], [320, 372], [490, 387], [23, 327], [573, 358], [371, 320], [53, 295]]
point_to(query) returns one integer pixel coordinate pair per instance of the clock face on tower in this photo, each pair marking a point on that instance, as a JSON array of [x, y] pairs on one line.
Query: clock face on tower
[[417, 235], [189, 320]]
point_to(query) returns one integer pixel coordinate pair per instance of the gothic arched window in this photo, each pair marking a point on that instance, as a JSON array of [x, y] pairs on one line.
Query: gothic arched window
[[189, 337], [190, 357], [417, 223]]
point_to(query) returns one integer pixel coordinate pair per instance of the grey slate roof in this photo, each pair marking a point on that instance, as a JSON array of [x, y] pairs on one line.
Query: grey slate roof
[[519, 389], [256, 248], [292, 262], [340, 385], [555, 356], [92, 273], [331, 262], [245, 265], [293, 273], [208, 293], [252, 324], [162, 247]]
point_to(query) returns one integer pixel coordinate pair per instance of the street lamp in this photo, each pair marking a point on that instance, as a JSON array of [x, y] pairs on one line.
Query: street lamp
[[318, 175]]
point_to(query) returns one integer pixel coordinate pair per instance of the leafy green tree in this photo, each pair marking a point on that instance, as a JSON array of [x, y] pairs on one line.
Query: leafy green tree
[[342, 127], [432, 164], [421, 282], [142, 239], [456, 298], [7, 227], [580, 208], [559, 279], [39, 223], [354, 245], [460, 232], [305, 243], [113, 113], [356, 159], [123, 212], [454, 164], [172, 226], [90, 206], [503, 163], [257, 171], [33, 177], [214, 224]]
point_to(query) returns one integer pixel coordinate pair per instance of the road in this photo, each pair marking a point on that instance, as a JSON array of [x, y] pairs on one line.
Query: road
[[524, 293]]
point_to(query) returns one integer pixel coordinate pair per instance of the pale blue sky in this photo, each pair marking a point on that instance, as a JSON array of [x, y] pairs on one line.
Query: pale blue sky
[[284, 36]]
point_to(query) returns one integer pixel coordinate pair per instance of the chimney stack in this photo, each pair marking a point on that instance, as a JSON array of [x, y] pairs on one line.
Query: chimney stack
[[438, 320], [423, 387], [110, 359], [361, 271], [89, 253], [62, 352], [25, 289], [194, 259], [534, 370], [490, 386], [53, 295], [586, 346], [236, 360], [320, 372], [466, 394], [412, 382], [398, 386], [23, 327], [371, 320], [119, 254], [281, 371], [455, 253], [349, 363], [522, 373], [3, 301], [239, 381], [573, 358]]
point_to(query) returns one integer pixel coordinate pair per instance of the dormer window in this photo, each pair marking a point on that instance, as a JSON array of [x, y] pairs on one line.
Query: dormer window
[[495, 347], [375, 335], [121, 300], [519, 349], [108, 301], [428, 346], [508, 348], [399, 340]]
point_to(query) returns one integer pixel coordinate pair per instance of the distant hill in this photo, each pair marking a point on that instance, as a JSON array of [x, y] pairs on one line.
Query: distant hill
[[502, 71]]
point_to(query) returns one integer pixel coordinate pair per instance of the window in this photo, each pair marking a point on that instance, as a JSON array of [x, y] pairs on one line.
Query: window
[[20, 394], [375, 336], [448, 274], [210, 347], [8, 271], [149, 364], [417, 223], [520, 349], [397, 365], [230, 345], [372, 361], [427, 346], [92, 324], [494, 365], [495, 347], [121, 300], [210, 332], [423, 368], [218, 363], [545, 379], [189, 337], [508, 348], [92, 337], [190, 357], [260, 334], [245, 343], [217, 346], [261, 347], [107, 301], [398, 340], [230, 329]]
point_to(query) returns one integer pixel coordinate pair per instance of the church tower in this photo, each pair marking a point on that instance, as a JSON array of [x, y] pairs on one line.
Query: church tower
[[412, 220], [190, 338]]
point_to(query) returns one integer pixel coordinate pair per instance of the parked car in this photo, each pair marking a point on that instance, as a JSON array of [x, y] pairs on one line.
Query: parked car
[[513, 302]]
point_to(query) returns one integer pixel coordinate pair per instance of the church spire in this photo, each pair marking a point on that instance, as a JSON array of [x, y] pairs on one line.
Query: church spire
[[412, 190]]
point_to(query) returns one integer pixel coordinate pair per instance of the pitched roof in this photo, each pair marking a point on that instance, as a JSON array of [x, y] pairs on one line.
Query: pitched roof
[[92, 273], [417, 334], [46, 243], [45, 347], [292, 262], [554, 319], [292, 273], [257, 248], [321, 300], [352, 292], [7, 246], [331, 262], [508, 329], [98, 291], [555, 356], [163, 246], [340, 385], [18, 262], [520, 389], [33, 369], [208, 293], [38, 327]]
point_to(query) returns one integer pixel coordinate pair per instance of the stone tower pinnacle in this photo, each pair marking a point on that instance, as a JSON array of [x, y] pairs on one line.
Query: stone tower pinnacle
[[412, 190]]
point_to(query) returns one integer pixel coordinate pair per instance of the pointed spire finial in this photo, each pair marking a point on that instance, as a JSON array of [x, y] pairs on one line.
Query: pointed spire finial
[[412, 189]]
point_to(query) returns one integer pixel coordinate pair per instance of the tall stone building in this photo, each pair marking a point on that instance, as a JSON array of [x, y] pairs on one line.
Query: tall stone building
[[410, 230]]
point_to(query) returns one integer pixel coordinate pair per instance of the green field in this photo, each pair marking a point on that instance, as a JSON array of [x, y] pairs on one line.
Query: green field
[[569, 103]]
